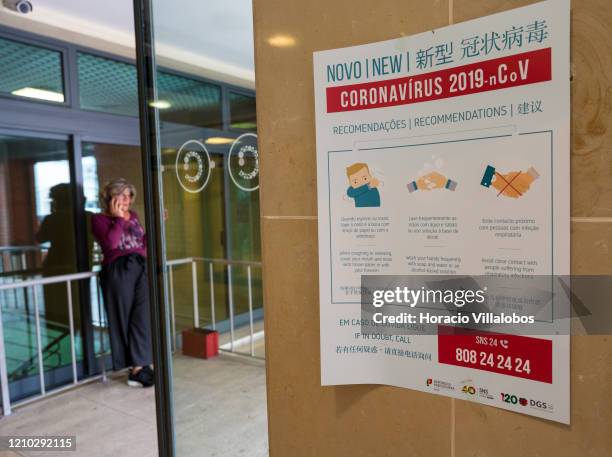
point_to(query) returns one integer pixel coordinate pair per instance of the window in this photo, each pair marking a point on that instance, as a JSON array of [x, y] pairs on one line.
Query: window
[[31, 72], [242, 112], [111, 86], [189, 101], [107, 85]]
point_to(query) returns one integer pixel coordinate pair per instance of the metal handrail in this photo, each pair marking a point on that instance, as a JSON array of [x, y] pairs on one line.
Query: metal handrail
[[213, 260], [196, 306], [48, 280], [32, 247], [69, 278]]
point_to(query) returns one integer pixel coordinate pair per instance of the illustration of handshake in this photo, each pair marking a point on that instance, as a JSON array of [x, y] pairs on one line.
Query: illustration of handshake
[[431, 181], [513, 184]]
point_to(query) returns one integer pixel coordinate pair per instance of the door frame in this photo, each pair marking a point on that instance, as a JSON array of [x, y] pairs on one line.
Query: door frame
[[90, 365]]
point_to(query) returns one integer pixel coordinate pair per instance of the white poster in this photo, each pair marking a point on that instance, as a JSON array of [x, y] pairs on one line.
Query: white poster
[[447, 153]]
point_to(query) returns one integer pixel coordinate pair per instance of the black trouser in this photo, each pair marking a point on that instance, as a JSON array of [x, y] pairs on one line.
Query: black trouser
[[126, 300]]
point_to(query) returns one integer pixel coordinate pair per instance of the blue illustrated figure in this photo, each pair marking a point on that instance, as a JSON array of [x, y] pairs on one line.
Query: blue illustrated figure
[[363, 186]]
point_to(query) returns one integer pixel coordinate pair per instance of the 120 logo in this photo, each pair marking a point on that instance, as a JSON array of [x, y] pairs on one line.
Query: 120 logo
[[513, 399]]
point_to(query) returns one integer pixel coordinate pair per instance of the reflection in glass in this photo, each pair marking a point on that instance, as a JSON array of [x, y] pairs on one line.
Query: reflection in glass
[[36, 240]]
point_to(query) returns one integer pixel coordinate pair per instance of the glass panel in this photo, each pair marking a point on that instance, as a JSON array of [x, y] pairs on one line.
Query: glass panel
[[36, 241], [196, 228], [31, 72], [189, 101], [110, 86], [210, 190], [244, 228], [102, 163], [107, 85], [242, 112]]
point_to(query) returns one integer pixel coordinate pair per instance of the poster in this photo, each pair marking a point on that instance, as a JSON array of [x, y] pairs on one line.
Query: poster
[[447, 153]]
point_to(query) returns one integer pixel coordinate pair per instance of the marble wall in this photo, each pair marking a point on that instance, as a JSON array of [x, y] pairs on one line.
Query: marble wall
[[306, 419]]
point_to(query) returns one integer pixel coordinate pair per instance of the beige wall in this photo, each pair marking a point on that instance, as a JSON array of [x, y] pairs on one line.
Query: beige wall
[[306, 419]]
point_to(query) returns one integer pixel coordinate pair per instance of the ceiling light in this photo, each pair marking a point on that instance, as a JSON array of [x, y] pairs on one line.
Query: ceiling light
[[219, 140], [281, 41], [40, 94], [161, 104]]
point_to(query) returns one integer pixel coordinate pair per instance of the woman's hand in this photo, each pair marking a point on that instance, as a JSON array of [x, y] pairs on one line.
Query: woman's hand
[[115, 208]]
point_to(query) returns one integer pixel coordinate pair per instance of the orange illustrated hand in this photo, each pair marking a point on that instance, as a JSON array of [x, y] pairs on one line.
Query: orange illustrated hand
[[505, 184], [514, 184], [374, 182], [433, 180]]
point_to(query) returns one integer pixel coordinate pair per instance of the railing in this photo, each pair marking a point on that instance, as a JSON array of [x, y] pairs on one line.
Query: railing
[[70, 278], [210, 262], [33, 283]]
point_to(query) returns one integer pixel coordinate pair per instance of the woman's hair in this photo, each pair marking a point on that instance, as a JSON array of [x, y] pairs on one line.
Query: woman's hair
[[112, 189]]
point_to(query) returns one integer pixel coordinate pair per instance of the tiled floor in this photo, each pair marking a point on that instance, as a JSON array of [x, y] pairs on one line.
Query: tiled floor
[[220, 410]]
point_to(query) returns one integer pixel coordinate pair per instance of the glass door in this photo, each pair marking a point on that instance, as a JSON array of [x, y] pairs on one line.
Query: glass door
[[37, 241], [195, 229], [205, 170]]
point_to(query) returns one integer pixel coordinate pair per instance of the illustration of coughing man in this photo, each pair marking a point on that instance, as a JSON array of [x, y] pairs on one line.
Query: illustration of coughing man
[[363, 186]]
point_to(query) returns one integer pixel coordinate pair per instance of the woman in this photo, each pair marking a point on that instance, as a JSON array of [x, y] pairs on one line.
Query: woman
[[124, 281]]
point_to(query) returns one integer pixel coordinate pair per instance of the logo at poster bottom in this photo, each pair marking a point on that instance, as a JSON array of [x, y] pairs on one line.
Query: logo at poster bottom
[[438, 384]]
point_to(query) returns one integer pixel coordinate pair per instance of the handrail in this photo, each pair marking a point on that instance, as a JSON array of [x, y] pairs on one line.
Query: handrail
[[25, 248], [195, 295], [48, 280], [69, 278], [25, 365], [187, 260]]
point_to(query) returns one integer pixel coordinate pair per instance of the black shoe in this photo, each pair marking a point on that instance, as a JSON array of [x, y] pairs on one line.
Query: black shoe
[[141, 379], [150, 373]]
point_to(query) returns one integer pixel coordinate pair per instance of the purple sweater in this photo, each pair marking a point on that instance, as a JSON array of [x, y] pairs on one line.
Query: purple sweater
[[118, 237]]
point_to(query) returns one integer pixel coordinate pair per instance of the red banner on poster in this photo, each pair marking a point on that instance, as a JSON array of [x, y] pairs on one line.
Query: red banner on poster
[[512, 355], [510, 71]]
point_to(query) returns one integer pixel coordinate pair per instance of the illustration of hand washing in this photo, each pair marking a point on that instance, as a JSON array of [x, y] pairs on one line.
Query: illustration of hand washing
[[512, 185], [363, 186], [431, 181]]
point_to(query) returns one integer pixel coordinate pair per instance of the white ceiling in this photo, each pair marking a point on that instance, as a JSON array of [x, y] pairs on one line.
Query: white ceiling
[[212, 34]]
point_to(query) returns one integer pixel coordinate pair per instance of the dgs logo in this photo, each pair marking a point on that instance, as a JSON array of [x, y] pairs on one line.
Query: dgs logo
[[540, 404]]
